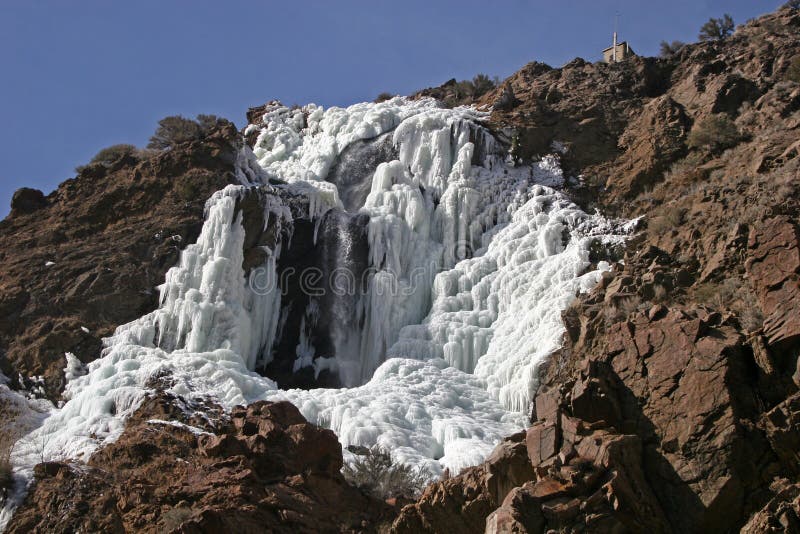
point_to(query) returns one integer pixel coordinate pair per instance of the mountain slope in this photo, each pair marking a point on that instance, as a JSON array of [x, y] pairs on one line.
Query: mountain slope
[[671, 406]]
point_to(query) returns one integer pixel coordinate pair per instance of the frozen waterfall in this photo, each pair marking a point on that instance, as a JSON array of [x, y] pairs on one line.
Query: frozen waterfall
[[441, 274]]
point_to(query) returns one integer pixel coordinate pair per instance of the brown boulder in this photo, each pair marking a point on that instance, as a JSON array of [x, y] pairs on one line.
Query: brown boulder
[[27, 200], [213, 477]]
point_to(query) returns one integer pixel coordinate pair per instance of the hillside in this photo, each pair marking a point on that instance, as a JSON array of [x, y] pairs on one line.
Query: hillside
[[669, 402]]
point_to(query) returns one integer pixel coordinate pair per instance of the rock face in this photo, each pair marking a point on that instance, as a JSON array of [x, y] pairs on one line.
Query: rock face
[[88, 257], [262, 469], [624, 124], [774, 264], [672, 407], [655, 433]]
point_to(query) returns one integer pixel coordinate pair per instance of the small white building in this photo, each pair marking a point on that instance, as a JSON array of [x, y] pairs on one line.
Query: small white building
[[617, 51]]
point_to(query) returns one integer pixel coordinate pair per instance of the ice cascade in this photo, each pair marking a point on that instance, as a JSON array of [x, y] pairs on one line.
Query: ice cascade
[[469, 261]]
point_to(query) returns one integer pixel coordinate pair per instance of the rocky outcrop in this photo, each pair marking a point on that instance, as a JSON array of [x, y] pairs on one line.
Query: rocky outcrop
[[774, 265], [26, 200], [262, 469], [657, 432], [672, 407], [624, 124], [88, 257]]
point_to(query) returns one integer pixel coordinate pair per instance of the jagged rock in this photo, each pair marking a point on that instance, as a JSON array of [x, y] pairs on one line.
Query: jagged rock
[[94, 251], [647, 156], [774, 267], [267, 470], [461, 504], [507, 100], [27, 200], [780, 514]]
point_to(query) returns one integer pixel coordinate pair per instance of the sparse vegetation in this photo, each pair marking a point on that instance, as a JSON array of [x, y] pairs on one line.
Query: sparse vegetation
[[109, 155], [6, 473], [621, 309], [174, 518], [10, 431], [466, 90], [793, 72], [670, 49], [792, 4], [716, 29], [375, 473], [715, 133], [175, 130], [383, 97], [733, 294], [482, 84]]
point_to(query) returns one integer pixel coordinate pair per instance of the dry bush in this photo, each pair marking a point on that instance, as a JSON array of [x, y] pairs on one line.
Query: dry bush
[[659, 294], [621, 309], [736, 295], [374, 473], [107, 156], [383, 97], [793, 71], [6, 471], [10, 432], [716, 29], [172, 519], [715, 133], [668, 49], [176, 130], [670, 219]]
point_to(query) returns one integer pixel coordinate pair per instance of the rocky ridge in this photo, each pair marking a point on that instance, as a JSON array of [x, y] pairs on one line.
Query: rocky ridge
[[673, 404]]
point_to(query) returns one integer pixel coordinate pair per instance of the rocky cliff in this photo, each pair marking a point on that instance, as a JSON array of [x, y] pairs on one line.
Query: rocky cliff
[[672, 406], [88, 257]]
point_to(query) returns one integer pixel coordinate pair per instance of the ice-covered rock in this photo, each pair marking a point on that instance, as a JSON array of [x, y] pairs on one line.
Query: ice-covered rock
[[471, 261]]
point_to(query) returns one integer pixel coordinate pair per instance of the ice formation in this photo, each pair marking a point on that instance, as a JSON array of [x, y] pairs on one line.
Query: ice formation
[[470, 262]]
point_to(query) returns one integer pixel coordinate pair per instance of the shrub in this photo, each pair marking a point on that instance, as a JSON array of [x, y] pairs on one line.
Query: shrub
[[174, 518], [383, 97], [792, 4], [175, 130], [716, 28], [670, 49], [619, 310], [374, 473], [6, 446], [109, 155], [715, 132], [482, 84], [793, 71]]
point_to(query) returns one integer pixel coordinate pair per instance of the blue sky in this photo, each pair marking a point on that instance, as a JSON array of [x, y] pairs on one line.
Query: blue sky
[[79, 76]]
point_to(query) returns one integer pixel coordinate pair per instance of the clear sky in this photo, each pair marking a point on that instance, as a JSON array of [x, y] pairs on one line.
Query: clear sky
[[79, 76]]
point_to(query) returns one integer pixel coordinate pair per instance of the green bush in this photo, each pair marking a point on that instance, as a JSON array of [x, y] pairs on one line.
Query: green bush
[[716, 28], [715, 133], [175, 130], [374, 473]]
